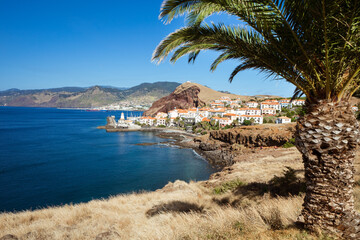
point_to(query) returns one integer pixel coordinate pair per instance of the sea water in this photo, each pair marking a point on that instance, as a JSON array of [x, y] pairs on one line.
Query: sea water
[[50, 157]]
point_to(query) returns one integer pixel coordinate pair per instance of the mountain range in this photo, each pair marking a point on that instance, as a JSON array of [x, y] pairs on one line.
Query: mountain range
[[79, 97]]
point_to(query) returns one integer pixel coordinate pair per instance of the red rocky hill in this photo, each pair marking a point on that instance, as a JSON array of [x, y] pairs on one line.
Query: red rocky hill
[[188, 95]]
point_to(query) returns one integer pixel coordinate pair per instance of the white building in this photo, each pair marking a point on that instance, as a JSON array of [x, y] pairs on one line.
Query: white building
[[204, 111], [274, 105], [183, 113], [225, 121], [258, 119], [161, 115], [268, 111], [355, 108], [253, 111], [298, 102], [248, 111], [161, 121], [218, 112], [281, 120], [231, 116], [217, 105], [173, 114], [285, 103], [147, 120], [252, 104]]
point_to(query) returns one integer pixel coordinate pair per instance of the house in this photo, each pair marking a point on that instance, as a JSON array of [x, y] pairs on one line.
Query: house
[[281, 120], [192, 112], [161, 121], [253, 111], [298, 102], [225, 100], [183, 113], [147, 120], [217, 112], [268, 111], [285, 103], [172, 122], [204, 111], [241, 111], [217, 105], [234, 105], [161, 115], [258, 119], [225, 121], [252, 104], [355, 108], [248, 111], [274, 105], [173, 113], [198, 118], [216, 119], [205, 119], [231, 116]]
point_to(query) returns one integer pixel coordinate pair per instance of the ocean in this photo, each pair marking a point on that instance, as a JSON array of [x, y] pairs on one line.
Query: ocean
[[51, 157]]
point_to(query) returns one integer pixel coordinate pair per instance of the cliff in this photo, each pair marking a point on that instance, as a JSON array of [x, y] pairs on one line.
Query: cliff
[[225, 147], [188, 95], [256, 136]]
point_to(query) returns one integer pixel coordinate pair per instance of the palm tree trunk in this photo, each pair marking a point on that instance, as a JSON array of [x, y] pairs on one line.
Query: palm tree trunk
[[327, 136]]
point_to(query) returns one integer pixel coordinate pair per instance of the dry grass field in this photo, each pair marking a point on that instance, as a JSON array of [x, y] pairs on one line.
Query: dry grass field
[[244, 201]]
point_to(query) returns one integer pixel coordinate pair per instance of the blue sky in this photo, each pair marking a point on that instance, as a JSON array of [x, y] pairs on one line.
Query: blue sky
[[57, 43]]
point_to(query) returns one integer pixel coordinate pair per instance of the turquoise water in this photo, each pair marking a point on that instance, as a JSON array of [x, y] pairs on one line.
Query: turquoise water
[[52, 157]]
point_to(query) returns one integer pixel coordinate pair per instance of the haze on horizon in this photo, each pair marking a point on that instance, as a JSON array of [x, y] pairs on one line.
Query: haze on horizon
[[82, 43]]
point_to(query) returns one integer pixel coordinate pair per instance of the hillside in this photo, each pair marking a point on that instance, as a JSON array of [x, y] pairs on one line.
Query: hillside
[[76, 97], [189, 95]]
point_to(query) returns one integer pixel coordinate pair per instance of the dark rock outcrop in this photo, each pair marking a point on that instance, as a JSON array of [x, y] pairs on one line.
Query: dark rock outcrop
[[9, 237], [181, 98]]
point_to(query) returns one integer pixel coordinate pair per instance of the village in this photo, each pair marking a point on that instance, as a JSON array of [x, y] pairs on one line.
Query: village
[[220, 114]]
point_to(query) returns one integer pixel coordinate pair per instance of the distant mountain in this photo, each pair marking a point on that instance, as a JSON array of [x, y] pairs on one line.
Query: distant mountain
[[96, 96]]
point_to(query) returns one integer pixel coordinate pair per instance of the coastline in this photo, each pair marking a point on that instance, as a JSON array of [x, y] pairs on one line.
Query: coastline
[[182, 139]]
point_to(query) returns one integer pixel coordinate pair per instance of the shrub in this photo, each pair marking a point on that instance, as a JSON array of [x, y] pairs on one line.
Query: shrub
[[247, 122], [203, 132], [286, 185], [290, 143], [228, 186]]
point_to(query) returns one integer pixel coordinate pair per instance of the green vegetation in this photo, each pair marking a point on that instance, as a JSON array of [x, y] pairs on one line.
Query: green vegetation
[[228, 186], [290, 143], [246, 123]]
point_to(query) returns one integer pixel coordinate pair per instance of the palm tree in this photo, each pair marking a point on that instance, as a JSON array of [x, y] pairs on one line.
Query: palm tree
[[313, 44]]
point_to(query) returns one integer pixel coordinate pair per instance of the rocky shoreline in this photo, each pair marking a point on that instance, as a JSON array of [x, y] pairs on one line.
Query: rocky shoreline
[[223, 148]]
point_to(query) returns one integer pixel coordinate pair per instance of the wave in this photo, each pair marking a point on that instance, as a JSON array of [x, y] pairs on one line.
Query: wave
[[168, 145]]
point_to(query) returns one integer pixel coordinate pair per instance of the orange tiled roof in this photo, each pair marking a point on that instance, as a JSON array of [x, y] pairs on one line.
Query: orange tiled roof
[[270, 103], [230, 114], [182, 111], [250, 116]]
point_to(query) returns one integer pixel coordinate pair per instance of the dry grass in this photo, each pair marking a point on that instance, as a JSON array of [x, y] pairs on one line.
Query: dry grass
[[178, 211]]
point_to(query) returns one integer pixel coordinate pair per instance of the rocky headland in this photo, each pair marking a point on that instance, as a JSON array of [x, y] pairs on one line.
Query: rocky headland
[[188, 95]]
